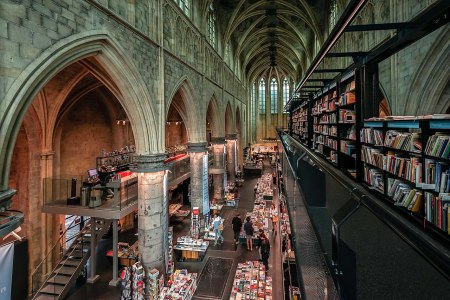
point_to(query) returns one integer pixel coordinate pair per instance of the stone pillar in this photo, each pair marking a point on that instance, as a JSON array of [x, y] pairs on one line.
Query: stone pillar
[[231, 156], [198, 154], [152, 211], [218, 168]]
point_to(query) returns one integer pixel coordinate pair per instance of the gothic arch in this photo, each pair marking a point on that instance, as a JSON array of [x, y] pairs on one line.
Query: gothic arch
[[133, 97], [213, 116], [431, 79], [229, 120], [183, 99]]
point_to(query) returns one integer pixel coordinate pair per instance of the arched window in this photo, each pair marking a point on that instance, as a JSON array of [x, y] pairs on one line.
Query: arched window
[[211, 26], [333, 14], [274, 96], [184, 5], [226, 56], [262, 96], [286, 92], [253, 111]]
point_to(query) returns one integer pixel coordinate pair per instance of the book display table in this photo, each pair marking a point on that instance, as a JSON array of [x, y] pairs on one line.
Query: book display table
[[251, 282], [229, 199], [188, 248], [127, 255], [264, 186], [216, 208], [183, 286], [260, 219]]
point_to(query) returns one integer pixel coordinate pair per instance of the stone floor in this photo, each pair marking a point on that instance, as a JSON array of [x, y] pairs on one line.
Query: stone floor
[[101, 290]]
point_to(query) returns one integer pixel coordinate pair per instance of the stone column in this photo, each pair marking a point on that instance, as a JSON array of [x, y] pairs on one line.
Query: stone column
[[152, 211], [231, 156], [218, 168], [198, 154]]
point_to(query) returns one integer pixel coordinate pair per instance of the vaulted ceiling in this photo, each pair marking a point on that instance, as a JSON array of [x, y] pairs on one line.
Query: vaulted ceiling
[[272, 34]]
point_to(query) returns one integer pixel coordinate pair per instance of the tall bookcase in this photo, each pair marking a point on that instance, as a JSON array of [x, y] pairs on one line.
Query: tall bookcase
[[300, 123], [407, 162]]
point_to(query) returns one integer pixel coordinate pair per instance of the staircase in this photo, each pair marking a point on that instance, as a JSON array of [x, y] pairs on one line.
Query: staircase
[[60, 280]]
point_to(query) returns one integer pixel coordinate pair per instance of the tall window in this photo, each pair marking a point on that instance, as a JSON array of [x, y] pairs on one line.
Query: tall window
[[273, 96], [227, 54], [262, 96], [333, 14], [253, 111], [211, 26], [285, 91], [184, 5]]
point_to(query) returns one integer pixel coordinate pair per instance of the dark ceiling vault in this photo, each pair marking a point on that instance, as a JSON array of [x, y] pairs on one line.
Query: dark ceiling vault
[[268, 34]]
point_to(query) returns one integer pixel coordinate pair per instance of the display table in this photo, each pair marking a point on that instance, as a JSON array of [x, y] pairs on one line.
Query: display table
[[251, 282], [260, 220], [183, 286], [188, 248], [216, 208], [230, 200], [126, 255]]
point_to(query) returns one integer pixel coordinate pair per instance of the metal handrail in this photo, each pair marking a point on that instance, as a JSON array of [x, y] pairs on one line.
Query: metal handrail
[[58, 242], [436, 252]]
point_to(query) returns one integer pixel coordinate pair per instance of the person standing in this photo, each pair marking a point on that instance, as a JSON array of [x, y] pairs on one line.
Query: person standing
[[274, 214], [265, 251], [248, 228], [217, 224], [236, 223]]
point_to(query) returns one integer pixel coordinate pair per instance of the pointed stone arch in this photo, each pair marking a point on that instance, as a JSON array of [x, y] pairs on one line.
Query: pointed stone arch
[[431, 79], [213, 117], [133, 93], [229, 120], [183, 99]]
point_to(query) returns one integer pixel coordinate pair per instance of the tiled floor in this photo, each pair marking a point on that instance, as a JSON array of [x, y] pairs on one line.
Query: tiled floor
[[101, 290]]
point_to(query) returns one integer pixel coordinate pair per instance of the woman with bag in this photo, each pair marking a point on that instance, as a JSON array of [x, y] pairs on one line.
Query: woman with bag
[[248, 228]]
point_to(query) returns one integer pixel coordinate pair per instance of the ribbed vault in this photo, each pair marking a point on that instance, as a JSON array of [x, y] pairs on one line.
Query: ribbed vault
[[266, 34]]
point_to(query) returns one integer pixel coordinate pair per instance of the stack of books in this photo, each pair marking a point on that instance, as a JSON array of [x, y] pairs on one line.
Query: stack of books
[[438, 145], [408, 141], [404, 195], [251, 282]]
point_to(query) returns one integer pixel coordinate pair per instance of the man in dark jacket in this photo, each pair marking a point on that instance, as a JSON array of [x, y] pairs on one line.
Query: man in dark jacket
[[237, 226], [265, 251]]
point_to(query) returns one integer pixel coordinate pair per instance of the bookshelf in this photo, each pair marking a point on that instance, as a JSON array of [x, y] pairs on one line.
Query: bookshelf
[[348, 124], [325, 124], [411, 167], [300, 123]]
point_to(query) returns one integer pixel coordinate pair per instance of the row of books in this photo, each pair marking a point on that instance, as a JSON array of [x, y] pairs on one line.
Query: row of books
[[438, 145], [437, 176], [408, 141], [402, 118], [404, 167], [347, 98], [374, 177], [349, 133], [348, 147], [347, 116], [437, 210], [403, 195], [325, 129], [326, 119], [372, 136]]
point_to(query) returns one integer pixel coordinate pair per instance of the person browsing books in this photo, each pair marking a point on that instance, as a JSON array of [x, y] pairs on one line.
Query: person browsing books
[[236, 223]]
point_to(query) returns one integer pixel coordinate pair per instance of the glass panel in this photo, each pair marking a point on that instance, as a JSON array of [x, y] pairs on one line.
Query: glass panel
[[262, 96]]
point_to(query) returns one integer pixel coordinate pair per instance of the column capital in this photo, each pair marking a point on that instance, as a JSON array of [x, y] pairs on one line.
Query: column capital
[[230, 136], [218, 140], [149, 163], [197, 147], [47, 154], [5, 198]]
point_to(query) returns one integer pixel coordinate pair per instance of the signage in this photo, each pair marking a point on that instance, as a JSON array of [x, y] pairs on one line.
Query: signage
[[6, 263]]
